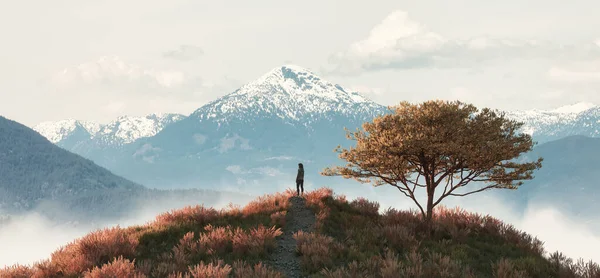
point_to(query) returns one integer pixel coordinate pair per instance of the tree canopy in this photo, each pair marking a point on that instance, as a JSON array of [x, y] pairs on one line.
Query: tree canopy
[[438, 144]]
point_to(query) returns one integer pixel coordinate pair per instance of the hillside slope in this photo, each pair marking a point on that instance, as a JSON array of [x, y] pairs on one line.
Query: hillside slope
[[34, 169], [36, 175], [347, 239], [568, 177]]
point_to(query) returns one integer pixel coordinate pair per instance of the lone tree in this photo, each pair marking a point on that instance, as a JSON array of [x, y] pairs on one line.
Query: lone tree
[[438, 144]]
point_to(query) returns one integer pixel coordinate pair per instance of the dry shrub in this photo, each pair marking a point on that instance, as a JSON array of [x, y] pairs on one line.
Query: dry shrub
[[45, 268], [341, 198], [17, 271], [315, 197], [504, 268], [212, 270], [119, 267], [587, 269], [366, 207], [232, 209], [353, 269], [521, 239], [242, 270], [268, 204], [317, 251], [183, 251], [256, 242], [389, 266], [216, 240], [278, 218], [320, 218], [566, 268], [399, 237], [366, 237], [94, 249], [409, 219], [196, 215], [202, 270], [460, 224]]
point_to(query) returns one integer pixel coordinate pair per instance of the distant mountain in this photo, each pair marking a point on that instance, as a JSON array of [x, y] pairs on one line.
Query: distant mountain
[[568, 178], [258, 133], [548, 125], [262, 130], [33, 169], [36, 175], [123, 130]]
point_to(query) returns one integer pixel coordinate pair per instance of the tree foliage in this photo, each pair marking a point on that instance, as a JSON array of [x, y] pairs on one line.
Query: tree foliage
[[435, 145]]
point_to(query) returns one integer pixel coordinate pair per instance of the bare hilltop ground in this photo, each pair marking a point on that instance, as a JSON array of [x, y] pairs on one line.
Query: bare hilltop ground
[[318, 235]]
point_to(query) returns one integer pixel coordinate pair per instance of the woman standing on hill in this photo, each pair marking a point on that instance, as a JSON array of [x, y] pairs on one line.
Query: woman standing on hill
[[300, 179]]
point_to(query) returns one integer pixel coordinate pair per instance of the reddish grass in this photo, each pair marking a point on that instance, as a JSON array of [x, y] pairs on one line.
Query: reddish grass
[[94, 249], [197, 215], [268, 204], [119, 267], [365, 243], [17, 271]]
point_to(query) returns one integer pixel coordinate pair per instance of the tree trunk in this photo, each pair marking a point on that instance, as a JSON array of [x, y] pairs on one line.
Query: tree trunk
[[429, 215]]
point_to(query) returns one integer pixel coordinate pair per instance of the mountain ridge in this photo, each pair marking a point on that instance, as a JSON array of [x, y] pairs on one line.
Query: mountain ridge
[[291, 93], [122, 130]]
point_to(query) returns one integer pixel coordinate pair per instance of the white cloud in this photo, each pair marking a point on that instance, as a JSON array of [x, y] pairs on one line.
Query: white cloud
[[268, 171], [235, 169], [112, 73], [229, 143], [402, 43], [110, 87], [147, 152], [184, 53], [367, 91]]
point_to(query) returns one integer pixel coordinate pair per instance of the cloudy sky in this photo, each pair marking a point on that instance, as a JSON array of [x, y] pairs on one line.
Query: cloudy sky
[[96, 60]]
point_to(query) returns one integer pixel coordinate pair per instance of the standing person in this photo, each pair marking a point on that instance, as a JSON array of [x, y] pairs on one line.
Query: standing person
[[300, 179]]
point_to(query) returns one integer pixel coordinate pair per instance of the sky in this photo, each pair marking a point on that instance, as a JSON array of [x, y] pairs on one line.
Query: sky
[[97, 60]]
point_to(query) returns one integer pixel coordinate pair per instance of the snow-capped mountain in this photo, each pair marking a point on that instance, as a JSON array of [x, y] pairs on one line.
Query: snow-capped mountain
[[291, 93], [287, 112], [126, 129], [545, 125], [60, 130], [123, 130]]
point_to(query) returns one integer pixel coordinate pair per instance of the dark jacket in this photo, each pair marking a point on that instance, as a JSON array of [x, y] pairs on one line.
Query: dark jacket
[[300, 176]]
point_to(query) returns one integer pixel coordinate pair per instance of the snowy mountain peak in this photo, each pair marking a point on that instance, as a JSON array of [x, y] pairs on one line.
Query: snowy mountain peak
[[59, 130], [575, 108], [123, 130], [290, 92], [127, 129], [295, 81], [551, 122]]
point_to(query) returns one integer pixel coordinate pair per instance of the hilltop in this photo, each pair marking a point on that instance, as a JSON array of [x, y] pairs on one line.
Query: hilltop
[[338, 238]]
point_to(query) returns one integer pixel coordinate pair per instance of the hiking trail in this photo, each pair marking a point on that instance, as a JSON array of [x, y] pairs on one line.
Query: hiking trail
[[284, 258]]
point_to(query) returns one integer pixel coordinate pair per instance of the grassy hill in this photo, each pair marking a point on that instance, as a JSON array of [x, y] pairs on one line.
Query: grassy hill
[[339, 238]]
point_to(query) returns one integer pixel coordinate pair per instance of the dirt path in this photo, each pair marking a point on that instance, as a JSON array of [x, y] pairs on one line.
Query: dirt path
[[284, 258]]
